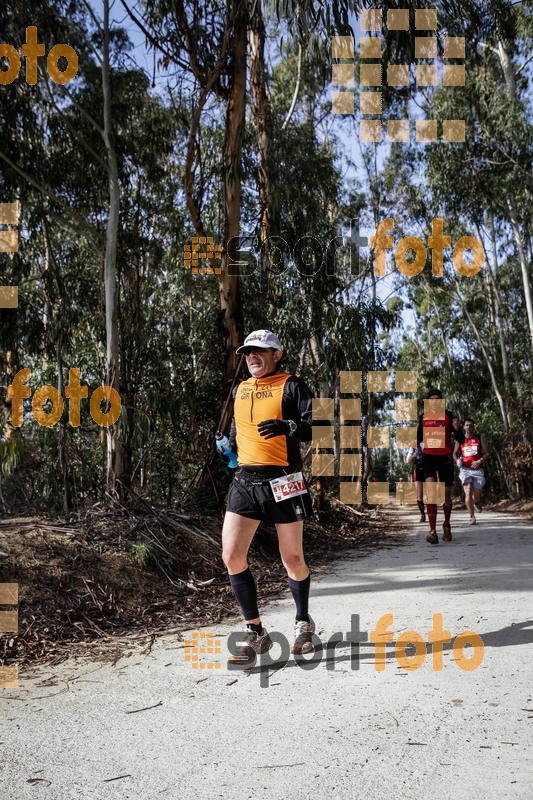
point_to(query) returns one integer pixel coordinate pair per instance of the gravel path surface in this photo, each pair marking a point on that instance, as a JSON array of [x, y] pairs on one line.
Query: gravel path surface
[[152, 727]]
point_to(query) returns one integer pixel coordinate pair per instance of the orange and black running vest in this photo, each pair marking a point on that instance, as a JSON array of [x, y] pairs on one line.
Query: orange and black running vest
[[276, 396]]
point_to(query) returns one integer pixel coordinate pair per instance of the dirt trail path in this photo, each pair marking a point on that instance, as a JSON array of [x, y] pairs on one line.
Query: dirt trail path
[[152, 726]]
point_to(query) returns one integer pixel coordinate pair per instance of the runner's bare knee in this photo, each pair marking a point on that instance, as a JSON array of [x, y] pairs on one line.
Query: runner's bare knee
[[292, 560], [237, 535]]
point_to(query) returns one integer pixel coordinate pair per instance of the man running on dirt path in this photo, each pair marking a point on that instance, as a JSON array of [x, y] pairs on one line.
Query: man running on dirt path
[[470, 456], [435, 430], [272, 415]]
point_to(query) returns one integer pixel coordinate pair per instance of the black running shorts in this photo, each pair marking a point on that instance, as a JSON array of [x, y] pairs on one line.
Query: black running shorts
[[418, 474], [438, 466], [251, 496]]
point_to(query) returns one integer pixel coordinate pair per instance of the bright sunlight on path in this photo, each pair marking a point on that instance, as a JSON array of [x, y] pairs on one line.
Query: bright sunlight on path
[[152, 726]]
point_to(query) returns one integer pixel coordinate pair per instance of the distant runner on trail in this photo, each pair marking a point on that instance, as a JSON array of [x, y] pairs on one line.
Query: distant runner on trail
[[470, 457], [415, 454], [434, 437], [272, 415]]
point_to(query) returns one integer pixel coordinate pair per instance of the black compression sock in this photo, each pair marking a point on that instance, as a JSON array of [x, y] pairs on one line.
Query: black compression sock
[[245, 592], [300, 592], [256, 628], [420, 504]]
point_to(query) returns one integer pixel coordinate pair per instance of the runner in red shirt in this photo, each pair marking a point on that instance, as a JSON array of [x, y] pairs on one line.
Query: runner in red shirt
[[470, 456], [434, 436]]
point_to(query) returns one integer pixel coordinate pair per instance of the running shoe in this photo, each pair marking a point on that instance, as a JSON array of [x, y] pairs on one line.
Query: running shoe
[[447, 533], [250, 647], [478, 507], [432, 537], [473, 521], [303, 632], [422, 518]]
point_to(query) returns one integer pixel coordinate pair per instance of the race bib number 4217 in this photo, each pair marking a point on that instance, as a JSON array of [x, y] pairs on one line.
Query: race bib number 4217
[[288, 486]]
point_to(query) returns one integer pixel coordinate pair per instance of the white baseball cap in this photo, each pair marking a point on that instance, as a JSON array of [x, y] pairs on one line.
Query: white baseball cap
[[261, 338]]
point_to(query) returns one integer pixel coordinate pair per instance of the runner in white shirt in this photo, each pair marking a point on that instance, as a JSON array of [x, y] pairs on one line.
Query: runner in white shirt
[[470, 457]]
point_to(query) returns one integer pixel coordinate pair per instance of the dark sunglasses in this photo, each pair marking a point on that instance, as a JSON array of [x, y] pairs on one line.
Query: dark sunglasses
[[248, 350]]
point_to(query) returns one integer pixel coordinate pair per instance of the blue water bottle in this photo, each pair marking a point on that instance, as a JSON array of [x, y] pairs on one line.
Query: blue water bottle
[[224, 447], [460, 463]]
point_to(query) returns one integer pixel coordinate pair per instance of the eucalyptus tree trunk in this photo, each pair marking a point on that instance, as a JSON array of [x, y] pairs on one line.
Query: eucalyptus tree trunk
[[374, 184], [230, 60], [523, 263], [510, 82], [499, 396], [261, 114], [114, 444], [230, 306], [497, 304], [62, 436]]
